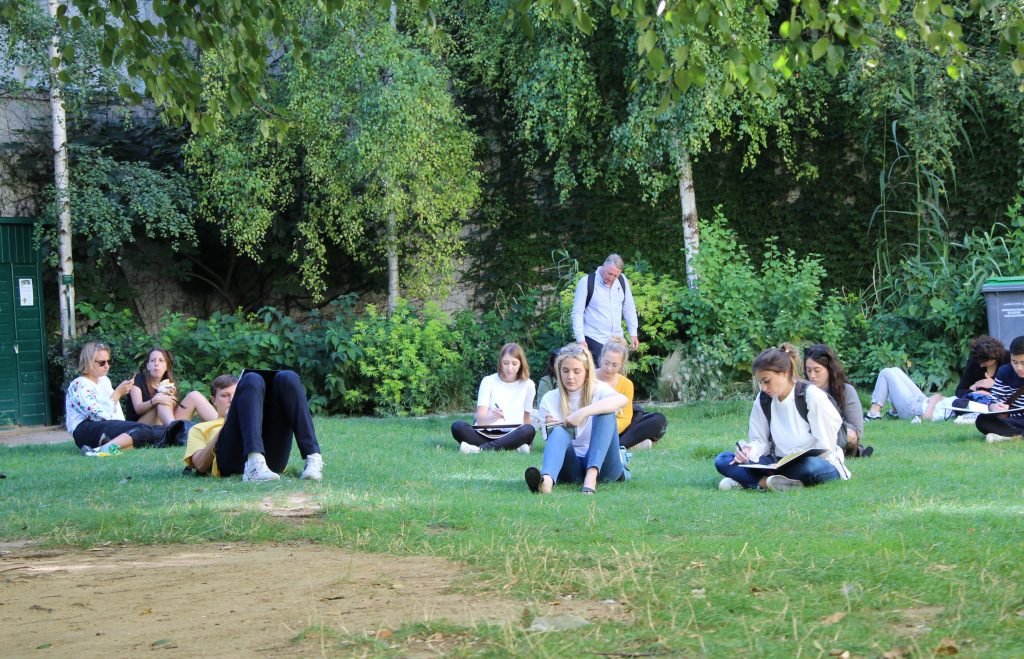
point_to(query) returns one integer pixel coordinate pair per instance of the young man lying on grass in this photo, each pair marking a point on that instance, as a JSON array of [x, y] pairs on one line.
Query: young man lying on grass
[[253, 435]]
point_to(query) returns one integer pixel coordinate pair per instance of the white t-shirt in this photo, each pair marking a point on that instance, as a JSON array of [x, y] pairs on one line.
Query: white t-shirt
[[90, 401], [551, 404], [514, 399], [943, 409]]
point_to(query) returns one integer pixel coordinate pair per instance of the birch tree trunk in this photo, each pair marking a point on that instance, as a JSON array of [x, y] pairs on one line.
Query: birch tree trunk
[[66, 281], [688, 204], [392, 232]]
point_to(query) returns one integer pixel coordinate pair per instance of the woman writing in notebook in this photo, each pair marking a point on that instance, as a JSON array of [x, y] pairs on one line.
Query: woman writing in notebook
[[583, 442], [503, 405], [788, 416]]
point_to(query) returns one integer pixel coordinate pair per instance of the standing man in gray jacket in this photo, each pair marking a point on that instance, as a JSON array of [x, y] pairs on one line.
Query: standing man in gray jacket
[[603, 298]]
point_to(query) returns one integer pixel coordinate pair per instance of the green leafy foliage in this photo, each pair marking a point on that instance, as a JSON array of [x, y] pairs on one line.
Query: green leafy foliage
[[377, 156], [404, 359], [116, 202], [739, 310]]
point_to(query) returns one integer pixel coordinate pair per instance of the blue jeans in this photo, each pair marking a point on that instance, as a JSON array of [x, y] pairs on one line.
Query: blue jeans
[[564, 466], [810, 470]]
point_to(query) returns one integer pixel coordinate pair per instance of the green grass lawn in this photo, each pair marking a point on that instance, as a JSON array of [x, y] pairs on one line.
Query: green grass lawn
[[920, 553]]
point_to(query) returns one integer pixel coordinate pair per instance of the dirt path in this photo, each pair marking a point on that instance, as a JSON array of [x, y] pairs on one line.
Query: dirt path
[[221, 600]]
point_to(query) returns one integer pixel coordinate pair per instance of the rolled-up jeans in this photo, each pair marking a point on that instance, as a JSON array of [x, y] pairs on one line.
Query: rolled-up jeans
[[895, 386], [564, 466]]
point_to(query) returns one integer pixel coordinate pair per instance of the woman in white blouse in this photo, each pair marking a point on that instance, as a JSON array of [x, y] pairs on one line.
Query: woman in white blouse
[[788, 416], [93, 413]]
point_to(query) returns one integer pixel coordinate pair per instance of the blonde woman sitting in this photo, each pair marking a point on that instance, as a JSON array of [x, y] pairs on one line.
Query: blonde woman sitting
[[637, 429], [583, 442]]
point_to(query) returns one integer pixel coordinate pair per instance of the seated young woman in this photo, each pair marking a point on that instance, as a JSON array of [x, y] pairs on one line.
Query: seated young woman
[[1007, 393], [824, 370], [637, 429], [583, 441], [505, 398], [153, 396], [252, 435], [92, 407], [787, 431], [986, 355]]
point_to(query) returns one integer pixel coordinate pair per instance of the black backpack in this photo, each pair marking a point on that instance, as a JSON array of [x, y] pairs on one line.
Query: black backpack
[[592, 277], [800, 390]]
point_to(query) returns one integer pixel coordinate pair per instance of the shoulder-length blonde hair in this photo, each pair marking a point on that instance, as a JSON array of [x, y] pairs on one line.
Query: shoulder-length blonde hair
[[89, 351], [618, 345], [575, 351], [514, 351]]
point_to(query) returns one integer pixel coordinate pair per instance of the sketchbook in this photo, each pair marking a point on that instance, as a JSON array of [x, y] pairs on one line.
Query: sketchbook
[[786, 460], [983, 409], [495, 430]]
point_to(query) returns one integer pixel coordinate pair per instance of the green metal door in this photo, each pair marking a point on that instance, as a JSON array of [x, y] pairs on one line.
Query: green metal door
[[23, 382]]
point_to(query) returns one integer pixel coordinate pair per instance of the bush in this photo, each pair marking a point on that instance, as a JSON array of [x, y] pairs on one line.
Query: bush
[[405, 360], [738, 310]]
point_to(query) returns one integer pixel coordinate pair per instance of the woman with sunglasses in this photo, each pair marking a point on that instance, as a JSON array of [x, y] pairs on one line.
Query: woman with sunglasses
[[583, 442], [504, 403], [824, 370], [637, 429], [93, 411]]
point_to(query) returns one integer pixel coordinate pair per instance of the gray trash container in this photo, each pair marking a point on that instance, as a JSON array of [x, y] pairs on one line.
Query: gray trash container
[[1004, 297]]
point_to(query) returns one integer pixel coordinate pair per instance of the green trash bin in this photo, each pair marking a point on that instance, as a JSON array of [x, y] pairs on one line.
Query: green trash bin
[[1004, 298]]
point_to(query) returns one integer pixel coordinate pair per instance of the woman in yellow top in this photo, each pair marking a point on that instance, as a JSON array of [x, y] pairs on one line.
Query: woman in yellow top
[[637, 429]]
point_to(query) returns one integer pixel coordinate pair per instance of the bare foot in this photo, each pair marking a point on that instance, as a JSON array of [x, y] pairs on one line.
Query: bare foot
[[546, 484]]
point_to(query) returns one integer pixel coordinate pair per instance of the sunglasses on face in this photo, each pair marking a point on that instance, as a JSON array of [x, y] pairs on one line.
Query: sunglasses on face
[[572, 350], [103, 362]]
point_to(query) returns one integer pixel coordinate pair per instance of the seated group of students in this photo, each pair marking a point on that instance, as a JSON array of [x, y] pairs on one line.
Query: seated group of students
[[586, 413], [247, 424], [823, 424]]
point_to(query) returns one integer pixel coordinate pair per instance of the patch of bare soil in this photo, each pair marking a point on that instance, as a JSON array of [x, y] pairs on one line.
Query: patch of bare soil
[[229, 600]]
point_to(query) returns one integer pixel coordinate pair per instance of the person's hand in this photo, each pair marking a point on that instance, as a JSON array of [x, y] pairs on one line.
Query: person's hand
[[550, 420], [494, 414], [163, 399], [851, 436], [123, 389], [583, 344], [741, 456], [985, 383], [576, 419], [633, 342], [998, 407]]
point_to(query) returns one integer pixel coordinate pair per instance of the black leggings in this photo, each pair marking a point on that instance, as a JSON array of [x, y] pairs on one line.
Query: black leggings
[[645, 425], [510, 441], [1009, 427], [91, 433], [262, 420]]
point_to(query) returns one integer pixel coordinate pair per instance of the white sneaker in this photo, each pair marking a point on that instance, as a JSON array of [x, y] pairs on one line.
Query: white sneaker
[[314, 470], [468, 448], [916, 419], [992, 438], [642, 446], [779, 483], [256, 470], [967, 418], [525, 448], [729, 484]]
